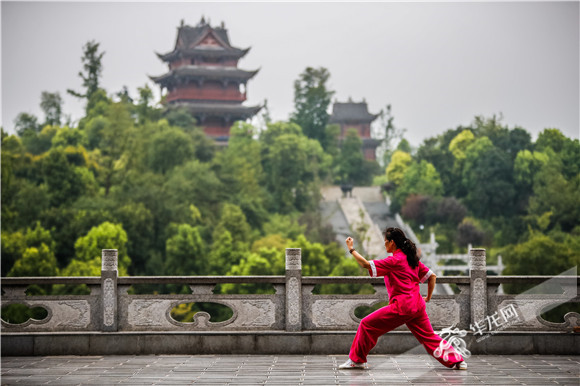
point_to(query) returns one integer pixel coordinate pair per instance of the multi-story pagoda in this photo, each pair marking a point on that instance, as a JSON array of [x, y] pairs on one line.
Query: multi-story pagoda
[[356, 115], [204, 77]]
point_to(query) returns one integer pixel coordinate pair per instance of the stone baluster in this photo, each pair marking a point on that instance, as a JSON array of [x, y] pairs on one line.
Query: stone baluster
[[109, 273], [293, 289], [478, 288]]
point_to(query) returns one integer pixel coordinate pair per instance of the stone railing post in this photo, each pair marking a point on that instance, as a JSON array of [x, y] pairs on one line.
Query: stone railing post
[[478, 287], [109, 273], [293, 289]]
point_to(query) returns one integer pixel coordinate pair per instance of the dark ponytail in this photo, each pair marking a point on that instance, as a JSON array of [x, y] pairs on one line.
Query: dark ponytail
[[404, 244]]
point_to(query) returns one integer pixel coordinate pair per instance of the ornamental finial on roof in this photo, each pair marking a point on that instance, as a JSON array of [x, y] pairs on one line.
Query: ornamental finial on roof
[[182, 23], [223, 25], [202, 22], [349, 99]]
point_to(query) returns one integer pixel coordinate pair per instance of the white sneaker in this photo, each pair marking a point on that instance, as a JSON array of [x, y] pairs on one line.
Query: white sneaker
[[349, 364], [460, 366]]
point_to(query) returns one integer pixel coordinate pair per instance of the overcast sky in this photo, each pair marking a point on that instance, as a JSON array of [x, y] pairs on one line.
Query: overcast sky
[[438, 64]]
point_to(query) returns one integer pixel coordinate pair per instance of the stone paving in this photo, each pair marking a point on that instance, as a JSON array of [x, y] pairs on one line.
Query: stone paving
[[286, 370]]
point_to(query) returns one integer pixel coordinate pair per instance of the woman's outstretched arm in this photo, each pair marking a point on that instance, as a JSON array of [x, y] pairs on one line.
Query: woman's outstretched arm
[[430, 287], [357, 256]]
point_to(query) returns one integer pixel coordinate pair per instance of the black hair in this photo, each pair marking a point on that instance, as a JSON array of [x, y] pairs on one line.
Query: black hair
[[404, 244]]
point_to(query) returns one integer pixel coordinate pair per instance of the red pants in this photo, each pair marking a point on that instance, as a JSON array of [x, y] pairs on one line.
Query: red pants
[[386, 319]]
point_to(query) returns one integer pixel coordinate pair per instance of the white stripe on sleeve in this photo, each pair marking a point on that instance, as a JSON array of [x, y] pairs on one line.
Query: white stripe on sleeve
[[427, 275], [373, 268]]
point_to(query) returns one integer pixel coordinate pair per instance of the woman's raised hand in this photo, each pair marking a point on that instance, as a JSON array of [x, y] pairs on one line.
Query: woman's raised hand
[[349, 242]]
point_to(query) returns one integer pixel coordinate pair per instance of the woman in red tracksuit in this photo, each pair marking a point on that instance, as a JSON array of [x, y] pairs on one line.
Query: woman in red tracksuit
[[402, 271]]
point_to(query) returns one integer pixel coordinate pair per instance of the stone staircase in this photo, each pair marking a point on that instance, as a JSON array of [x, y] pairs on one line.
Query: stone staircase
[[367, 205], [355, 212]]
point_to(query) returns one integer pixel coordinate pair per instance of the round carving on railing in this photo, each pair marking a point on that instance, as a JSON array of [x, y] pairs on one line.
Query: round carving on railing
[[30, 320], [109, 260], [202, 320], [293, 258]]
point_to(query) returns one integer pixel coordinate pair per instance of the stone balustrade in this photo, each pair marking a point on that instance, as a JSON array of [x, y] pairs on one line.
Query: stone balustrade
[[476, 307]]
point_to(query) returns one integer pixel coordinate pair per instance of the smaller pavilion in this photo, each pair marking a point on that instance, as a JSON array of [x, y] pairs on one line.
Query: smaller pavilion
[[356, 115]]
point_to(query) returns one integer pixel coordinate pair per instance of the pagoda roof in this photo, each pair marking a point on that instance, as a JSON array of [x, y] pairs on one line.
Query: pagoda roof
[[204, 72], [233, 110], [189, 39], [371, 142], [351, 112]]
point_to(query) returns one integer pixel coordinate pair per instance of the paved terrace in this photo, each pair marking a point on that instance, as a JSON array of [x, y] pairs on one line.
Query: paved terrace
[[286, 370]]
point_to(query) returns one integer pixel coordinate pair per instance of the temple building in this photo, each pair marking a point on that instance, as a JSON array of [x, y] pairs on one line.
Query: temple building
[[356, 115], [204, 77]]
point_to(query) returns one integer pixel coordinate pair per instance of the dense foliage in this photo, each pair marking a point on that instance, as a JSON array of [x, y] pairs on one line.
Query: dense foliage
[[492, 186], [136, 177]]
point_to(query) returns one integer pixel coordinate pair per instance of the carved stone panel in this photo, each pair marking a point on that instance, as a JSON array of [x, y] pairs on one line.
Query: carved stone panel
[[443, 313], [528, 315], [150, 313], [253, 313], [109, 300], [478, 300], [337, 313], [63, 315], [293, 301]]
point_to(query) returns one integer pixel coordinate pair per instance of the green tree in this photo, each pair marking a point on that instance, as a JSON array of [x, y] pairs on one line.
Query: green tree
[[566, 149], [347, 267], [552, 193], [436, 151], [65, 182], [26, 124], [144, 109], [419, 178], [186, 252], [285, 225], [251, 265], [459, 144], [51, 105], [139, 223], [351, 160], [293, 166], [93, 69], [311, 100], [400, 162], [69, 136], [113, 135], [234, 221], [225, 253], [389, 133], [35, 261], [88, 251], [314, 259], [192, 183], [239, 167], [488, 179], [168, 149], [526, 165], [542, 254], [15, 244]]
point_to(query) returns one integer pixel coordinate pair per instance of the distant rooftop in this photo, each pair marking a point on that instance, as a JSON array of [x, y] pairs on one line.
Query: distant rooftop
[[351, 112], [189, 42]]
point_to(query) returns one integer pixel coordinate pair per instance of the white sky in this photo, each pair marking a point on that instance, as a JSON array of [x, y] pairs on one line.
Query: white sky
[[437, 64]]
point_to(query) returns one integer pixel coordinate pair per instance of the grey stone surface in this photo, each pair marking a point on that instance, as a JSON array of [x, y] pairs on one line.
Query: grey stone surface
[[406, 369], [270, 342]]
